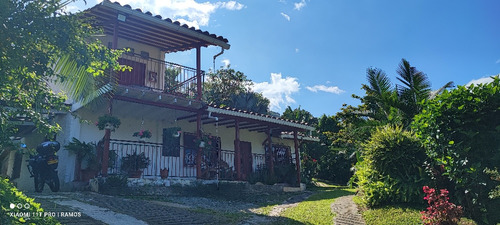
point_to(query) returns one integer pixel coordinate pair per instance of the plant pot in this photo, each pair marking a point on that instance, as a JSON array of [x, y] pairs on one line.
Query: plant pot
[[87, 174], [164, 173], [135, 174], [109, 126]]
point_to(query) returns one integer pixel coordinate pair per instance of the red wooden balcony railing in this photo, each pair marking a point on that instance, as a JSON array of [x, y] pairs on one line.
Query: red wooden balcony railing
[[158, 75]]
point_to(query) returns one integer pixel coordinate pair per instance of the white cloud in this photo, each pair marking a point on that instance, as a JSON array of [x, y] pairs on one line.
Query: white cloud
[[231, 5], [482, 80], [498, 61], [299, 5], [226, 62], [188, 12], [287, 17], [279, 91], [329, 89], [297, 50]]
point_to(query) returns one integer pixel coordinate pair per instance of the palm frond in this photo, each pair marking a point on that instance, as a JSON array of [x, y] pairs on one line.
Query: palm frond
[[79, 84], [438, 91]]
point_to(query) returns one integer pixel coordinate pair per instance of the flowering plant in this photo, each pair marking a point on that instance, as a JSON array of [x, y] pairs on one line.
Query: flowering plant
[[440, 211], [205, 142], [143, 134], [108, 120]]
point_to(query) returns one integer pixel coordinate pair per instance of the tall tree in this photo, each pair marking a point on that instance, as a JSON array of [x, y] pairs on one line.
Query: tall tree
[[231, 88], [380, 95], [40, 42], [220, 86], [416, 87]]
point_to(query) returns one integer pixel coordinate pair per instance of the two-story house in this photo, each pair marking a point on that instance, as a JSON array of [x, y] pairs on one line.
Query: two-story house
[[165, 98]]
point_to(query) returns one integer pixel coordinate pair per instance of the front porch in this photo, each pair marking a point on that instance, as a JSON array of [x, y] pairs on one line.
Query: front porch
[[217, 164]]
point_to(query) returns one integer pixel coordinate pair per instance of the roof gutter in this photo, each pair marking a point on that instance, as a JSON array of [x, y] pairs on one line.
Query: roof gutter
[[171, 26], [217, 55]]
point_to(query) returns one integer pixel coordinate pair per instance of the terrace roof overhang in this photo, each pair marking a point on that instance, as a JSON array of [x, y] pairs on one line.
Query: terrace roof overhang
[[250, 121], [145, 28]]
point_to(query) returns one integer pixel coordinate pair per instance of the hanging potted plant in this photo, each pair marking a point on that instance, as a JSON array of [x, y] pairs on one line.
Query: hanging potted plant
[[205, 142], [134, 164], [176, 131], [108, 122], [143, 134]]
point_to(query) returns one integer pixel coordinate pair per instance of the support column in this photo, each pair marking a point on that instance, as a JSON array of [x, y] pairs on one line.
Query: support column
[[198, 154], [297, 156], [271, 153], [198, 74], [237, 155], [107, 134]]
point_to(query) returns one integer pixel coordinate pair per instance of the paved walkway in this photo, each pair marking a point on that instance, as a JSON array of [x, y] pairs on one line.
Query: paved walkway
[[91, 208], [346, 212]]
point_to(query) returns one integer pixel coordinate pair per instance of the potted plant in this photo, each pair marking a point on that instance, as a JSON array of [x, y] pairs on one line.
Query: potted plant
[[134, 164], [164, 173], [87, 164], [143, 134], [108, 122], [205, 142]]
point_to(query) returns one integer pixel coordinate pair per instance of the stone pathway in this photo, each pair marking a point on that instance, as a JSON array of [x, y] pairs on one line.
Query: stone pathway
[[346, 212], [93, 208]]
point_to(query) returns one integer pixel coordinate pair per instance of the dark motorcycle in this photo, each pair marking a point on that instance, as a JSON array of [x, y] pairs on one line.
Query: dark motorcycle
[[43, 166]]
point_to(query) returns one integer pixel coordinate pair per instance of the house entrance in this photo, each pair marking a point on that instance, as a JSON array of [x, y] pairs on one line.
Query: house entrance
[[246, 159]]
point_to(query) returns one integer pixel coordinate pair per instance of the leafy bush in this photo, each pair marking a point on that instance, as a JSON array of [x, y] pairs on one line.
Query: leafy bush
[[460, 130], [114, 184], [440, 211], [14, 215], [391, 168]]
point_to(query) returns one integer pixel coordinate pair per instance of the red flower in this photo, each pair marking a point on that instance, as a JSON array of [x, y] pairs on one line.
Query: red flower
[[314, 160]]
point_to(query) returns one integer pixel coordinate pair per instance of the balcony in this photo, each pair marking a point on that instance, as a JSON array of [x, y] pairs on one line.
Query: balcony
[[158, 75]]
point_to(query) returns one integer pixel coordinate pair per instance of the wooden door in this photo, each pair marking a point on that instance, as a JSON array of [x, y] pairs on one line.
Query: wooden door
[[246, 159], [136, 76]]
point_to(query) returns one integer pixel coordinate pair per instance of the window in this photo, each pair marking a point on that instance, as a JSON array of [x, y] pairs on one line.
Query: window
[[171, 142]]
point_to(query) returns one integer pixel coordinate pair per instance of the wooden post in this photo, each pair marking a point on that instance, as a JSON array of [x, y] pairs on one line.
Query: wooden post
[[198, 74], [271, 153], [198, 154], [297, 157], [237, 155], [107, 134]]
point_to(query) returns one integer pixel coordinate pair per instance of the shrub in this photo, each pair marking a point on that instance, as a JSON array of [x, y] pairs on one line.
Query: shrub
[[391, 168], [440, 211], [10, 195], [460, 130]]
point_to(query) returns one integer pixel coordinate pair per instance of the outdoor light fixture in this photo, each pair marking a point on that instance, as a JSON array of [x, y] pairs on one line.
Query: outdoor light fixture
[[122, 17]]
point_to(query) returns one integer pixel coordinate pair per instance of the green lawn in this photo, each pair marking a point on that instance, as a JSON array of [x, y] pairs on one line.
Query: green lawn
[[316, 209], [398, 214]]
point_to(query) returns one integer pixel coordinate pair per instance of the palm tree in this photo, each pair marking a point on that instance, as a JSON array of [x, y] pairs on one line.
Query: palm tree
[[380, 95]]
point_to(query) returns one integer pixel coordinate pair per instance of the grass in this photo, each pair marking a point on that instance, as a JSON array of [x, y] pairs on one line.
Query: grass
[[316, 209], [397, 214]]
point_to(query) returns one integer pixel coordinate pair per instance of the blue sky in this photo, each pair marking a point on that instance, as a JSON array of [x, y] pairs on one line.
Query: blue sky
[[314, 53]]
